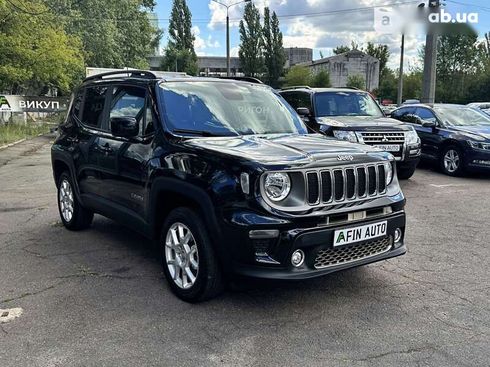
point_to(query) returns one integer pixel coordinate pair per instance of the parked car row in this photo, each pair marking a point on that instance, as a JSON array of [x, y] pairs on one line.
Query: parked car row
[[456, 137]]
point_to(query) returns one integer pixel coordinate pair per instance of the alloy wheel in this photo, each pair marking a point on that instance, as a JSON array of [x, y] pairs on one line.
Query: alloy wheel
[[66, 200], [181, 255], [451, 161]]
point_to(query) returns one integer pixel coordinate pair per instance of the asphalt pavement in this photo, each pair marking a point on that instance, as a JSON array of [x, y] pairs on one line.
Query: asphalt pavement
[[98, 297]]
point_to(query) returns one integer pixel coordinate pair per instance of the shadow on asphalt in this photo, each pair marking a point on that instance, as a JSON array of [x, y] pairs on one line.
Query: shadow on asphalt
[[240, 291]]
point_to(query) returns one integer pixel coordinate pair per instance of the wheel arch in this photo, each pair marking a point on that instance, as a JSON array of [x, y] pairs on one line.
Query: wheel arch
[[170, 193]]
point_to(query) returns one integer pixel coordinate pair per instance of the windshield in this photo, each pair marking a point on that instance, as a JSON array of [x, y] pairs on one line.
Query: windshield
[[346, 104], [462, 116], [225, 109]]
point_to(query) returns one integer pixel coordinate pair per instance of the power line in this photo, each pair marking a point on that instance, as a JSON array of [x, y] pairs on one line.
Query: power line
[[207, 20]]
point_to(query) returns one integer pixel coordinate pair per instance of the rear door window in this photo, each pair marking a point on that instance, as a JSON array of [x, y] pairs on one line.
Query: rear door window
[[93, 106]]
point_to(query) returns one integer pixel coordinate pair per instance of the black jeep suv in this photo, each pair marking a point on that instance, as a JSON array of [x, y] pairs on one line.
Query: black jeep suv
[[223, 175], [353, 115]]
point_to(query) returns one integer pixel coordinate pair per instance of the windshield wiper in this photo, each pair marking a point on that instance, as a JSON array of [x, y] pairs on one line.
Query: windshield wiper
[[196, 132]]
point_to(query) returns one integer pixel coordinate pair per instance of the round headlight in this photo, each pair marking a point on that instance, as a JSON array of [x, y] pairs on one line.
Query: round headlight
[[388, 172], [277, 186]]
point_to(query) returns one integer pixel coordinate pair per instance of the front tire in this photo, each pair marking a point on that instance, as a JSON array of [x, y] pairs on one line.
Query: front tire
[[405, 172], [73, 215], [451, 161], [189, 262]]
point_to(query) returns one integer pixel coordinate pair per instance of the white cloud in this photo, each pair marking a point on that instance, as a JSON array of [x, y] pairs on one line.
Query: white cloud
[[331, 26], [201, 44]]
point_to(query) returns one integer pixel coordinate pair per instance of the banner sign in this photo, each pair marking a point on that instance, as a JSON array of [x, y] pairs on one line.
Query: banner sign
[[9, 103]]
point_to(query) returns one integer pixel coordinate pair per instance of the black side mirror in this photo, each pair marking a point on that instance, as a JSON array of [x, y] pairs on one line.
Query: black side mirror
[[303, 111], [124, 127], [426, 123]]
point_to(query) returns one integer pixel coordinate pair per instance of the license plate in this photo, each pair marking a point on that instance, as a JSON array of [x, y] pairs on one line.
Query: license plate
[[359, 234], [388, 148]]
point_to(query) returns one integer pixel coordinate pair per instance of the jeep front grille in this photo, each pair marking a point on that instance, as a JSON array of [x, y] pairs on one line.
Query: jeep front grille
[[383, 138], [343, 184], [350, 253]]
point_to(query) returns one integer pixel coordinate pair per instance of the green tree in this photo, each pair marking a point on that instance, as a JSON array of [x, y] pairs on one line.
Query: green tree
[[341, 49], [273, 48], [381, 52], [180, 54], [356, 81], [388, 85], [457, 63], [412, 84], [35, 51], [250, 51], [298, 75], [114, 33], [321, 80]]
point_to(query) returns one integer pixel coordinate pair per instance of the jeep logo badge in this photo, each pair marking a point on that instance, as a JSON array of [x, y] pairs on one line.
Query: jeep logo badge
[[345, 158]]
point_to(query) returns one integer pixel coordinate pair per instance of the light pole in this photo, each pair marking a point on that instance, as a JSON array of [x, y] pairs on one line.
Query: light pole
[[228, 30]]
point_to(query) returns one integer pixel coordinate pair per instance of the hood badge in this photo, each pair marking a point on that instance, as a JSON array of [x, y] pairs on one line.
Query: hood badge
[[385, 139], [345, 158]]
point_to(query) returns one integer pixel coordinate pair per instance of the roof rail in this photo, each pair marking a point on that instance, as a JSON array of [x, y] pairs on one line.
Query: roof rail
[[130, 73], [297, 87], [243, 79], [353, 88]]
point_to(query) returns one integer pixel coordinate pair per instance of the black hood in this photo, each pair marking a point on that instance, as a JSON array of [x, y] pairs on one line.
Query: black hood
[[288, 149], [363, 122]]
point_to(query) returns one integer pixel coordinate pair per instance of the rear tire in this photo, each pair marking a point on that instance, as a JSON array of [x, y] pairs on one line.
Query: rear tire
[[188, 257], [451, 161], [73, 215]]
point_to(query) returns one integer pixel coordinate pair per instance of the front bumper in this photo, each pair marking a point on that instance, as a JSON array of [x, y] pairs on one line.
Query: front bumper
[[477, 159], [315, 241]]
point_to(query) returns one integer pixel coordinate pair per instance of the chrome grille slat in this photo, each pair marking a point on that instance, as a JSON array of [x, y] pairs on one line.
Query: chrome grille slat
[[383, 137], [365, 179], [350, 253]]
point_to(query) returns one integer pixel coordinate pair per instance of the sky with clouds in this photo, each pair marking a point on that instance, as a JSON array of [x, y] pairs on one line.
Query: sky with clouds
[[318, 24]]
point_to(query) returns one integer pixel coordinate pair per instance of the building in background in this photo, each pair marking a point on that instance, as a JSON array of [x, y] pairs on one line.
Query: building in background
[[208, 65], [341, 66], [297, 55]]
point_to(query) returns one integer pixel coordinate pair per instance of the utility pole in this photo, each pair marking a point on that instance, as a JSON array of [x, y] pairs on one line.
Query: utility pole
[[228, 69], [430, 60], [399, 98]]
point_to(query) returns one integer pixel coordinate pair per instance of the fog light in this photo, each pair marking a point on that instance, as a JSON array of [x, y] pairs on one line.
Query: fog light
[[298, 258], [398, 235]]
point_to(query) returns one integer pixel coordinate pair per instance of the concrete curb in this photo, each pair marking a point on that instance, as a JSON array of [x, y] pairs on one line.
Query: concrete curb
[[12, 144]]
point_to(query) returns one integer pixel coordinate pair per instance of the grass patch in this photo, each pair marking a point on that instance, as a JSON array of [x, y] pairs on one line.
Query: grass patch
[[13, 132]]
